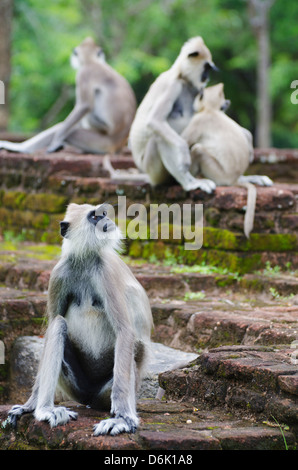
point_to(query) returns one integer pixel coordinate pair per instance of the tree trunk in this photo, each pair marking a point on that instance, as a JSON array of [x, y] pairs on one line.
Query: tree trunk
[[259, 19], [6, 8], [264, 101]]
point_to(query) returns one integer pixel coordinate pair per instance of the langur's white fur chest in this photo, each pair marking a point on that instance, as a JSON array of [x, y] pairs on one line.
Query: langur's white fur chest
[[89, 328]]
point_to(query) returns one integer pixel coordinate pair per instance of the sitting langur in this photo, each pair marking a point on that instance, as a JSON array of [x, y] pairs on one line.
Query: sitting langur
[[221, 149], [157, 146], [99, 327], [104, 109]]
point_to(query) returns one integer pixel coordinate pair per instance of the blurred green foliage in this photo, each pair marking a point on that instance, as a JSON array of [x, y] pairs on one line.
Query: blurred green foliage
[[141, 39]]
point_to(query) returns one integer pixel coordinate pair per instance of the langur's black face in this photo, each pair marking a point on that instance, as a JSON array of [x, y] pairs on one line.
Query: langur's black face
[[99, 219], [96, 219], [206, 72], [64, 228]]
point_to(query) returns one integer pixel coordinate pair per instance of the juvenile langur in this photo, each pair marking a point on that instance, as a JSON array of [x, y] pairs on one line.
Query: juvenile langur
[[157, 146], [104, 109], [99, 327], [221, 149]]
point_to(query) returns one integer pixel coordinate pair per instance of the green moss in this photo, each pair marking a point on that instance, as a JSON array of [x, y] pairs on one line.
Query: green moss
[[231, 261], [47, 203], [50, 237], [225, 240], [20, 445], [5, 218], [19, 219], [8, 258], [38, 220], [50, 203], [2, 192], [39, 321], [212, 216], [225, 281], [273, 242], [13, 199], [8, 246], [135, 249], [49, 250], [253, 284], [220, 238], [157, 248], [13, 180]]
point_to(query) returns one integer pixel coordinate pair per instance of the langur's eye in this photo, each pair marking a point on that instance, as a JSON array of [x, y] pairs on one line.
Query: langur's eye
[[94, 218]]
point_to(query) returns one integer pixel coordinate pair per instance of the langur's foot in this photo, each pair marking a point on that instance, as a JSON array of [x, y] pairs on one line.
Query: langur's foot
[[264, 181], [15, 413], [260, 180], [55, 148], [55, 416], [206, 185], [116, 426]]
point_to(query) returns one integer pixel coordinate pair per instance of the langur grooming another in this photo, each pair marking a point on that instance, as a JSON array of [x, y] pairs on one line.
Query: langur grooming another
[[104, 109], [157, 146], [99, 328], [221, 150]]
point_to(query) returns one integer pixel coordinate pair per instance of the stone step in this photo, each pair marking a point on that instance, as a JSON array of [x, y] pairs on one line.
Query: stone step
[[27, 351], [278, 164], [196, 325], [163, 426], [23, 166], [216, 318], [256, 381], [191, 310], [35, 190], [34, 214], [28, 266], [71, 162]]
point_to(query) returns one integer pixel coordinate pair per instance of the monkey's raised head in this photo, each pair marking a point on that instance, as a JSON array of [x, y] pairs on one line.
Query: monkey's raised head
[[87, 228], [86, 53], [195, 62], [212, 98]]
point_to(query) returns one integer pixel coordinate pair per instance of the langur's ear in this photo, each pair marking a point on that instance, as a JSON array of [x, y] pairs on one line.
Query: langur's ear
[[64, 228]]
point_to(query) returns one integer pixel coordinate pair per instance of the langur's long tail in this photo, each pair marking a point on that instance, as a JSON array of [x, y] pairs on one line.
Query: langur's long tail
[[250, 206]]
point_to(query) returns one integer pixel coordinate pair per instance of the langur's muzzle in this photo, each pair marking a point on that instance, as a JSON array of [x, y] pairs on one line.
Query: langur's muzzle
[[206, 72], [106, 225]]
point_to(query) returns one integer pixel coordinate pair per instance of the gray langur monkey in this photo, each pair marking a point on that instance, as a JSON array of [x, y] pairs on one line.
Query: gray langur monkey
[[98, 336], [104, 109], [157, 146], [221, 149]]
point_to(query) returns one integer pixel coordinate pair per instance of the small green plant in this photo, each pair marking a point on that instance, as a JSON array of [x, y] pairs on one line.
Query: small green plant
[[153, 259], [282, 432], [205, 269], [194, 296], [170, 259], [275, 271], [9, 236], [275, 294]]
